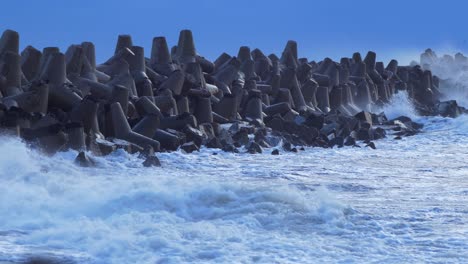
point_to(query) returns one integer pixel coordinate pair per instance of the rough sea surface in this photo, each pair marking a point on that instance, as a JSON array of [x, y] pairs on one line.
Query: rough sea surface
[[405, 202]]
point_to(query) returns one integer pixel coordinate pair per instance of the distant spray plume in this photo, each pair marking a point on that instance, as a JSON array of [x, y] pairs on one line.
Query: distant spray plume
[[452, 72]]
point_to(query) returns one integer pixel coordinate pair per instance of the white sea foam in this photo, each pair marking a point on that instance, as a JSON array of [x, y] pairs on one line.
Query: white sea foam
[[404, 202]]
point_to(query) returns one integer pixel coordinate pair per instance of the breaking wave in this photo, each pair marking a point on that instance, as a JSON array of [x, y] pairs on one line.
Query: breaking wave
[[399, 105]]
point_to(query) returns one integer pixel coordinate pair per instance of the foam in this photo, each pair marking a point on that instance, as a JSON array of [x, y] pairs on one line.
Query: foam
[[405, 196]]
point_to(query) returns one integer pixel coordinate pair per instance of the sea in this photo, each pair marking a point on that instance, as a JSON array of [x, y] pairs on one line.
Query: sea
[[404, 202]]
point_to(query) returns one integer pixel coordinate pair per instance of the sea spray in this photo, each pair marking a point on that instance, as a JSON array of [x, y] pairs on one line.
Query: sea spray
[[399, 105], [457, 90], [452, 73]]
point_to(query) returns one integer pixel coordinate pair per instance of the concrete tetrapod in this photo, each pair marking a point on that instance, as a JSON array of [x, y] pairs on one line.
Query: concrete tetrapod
[[123, 131]]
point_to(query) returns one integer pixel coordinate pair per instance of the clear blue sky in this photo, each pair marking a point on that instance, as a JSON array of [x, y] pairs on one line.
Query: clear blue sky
[[396, 28]]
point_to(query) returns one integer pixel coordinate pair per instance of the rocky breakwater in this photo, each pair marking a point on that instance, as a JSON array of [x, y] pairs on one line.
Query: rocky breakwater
[[177, 99]]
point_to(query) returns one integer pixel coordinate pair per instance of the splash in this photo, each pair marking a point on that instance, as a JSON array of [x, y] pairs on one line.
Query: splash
[[399, 105]]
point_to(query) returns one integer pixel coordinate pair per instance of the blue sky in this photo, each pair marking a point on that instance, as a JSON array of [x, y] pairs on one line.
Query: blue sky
[[396, 28]]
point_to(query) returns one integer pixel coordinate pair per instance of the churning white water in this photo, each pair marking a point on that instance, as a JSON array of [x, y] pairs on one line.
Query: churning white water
[[406, 201]]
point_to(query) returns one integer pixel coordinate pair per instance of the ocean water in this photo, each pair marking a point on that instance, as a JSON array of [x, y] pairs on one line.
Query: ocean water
[[405, 202]]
